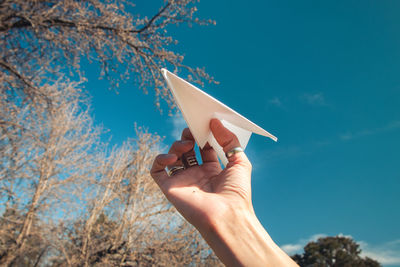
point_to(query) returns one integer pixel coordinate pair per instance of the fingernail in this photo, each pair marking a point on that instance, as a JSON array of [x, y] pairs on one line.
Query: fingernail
[[187, 142]]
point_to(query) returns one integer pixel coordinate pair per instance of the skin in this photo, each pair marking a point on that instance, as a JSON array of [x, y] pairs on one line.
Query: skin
[[218, 201]]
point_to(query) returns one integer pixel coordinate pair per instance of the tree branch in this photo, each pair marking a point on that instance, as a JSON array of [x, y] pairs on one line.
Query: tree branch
[[154, 18]]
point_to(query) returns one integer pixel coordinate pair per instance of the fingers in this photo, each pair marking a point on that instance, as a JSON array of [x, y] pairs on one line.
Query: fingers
[[207, 152], [227, 140], [187, 135], [224, 137], [178, 148], [169, 160], [158, 169]]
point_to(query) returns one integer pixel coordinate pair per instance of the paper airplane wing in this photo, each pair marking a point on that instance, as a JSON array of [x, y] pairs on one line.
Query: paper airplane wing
[[198, 108]]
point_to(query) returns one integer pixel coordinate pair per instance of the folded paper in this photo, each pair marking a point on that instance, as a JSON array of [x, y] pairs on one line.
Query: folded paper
[[198, 108]]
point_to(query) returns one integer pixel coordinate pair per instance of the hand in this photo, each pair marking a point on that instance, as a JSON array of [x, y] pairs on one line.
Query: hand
[[218, 202], [201, 193]]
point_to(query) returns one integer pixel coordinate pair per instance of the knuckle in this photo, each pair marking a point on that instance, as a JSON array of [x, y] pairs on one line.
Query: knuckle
[[157, 159], [174, 146], [176, 143], [230, 142]]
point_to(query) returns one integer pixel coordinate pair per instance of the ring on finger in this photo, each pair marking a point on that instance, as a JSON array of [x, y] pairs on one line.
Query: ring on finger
[[189, 160], [233, 151], [173, 170]]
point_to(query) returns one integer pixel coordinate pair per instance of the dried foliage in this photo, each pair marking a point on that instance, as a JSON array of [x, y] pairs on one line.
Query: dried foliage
[[71, 201], [42, 38], [67, 198]]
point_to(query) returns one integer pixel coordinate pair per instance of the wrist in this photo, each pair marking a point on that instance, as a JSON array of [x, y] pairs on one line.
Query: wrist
[[238, 239], [239, 235]]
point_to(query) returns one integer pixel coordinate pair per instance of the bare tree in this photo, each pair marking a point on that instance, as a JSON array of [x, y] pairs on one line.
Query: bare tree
[[43, 157], [70, 200], [42, 38], [129, 222], [10, 223]]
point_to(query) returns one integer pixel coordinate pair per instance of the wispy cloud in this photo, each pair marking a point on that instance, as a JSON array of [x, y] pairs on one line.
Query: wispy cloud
[[282, 152], [388, 253], [276, 101], [297, 247], [315, 99], [357, 134], [178, 124]]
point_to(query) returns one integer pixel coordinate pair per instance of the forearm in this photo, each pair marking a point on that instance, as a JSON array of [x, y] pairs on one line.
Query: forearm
[[238, 239], [218, 202]]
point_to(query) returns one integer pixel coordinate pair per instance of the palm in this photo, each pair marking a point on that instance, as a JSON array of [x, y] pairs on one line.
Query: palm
[[217, 202], [200, 191]]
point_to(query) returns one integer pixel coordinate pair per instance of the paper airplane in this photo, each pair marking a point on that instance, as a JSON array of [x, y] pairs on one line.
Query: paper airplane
[[198, 108]]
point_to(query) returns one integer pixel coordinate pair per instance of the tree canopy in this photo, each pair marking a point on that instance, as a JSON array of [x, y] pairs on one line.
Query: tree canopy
[[43, 40], [333, 251]]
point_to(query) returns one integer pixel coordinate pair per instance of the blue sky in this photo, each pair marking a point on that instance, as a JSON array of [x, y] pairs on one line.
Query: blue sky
[[323, 76]]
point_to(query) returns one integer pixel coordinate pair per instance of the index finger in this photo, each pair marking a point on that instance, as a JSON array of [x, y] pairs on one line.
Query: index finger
[[158, 169], [208, 154], [228, 141]]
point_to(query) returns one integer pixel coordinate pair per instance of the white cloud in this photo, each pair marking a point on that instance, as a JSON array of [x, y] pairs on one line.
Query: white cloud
[[316, 99], [178, 124], [388, 127], [275, 102], [388, 253], [300, 244], [293, 248]]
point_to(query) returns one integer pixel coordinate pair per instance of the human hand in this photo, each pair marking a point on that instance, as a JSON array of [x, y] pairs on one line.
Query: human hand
[[218, 202], [202, 193]]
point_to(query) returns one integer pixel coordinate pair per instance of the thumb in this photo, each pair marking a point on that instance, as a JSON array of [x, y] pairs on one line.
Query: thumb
[[228, 140]]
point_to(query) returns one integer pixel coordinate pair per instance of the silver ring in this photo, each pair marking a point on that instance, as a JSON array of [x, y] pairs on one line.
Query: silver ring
[[233, 151], [175, 169], [189, 161]]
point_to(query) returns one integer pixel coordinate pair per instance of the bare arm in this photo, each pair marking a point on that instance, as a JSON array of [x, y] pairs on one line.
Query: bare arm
[[218, 202]]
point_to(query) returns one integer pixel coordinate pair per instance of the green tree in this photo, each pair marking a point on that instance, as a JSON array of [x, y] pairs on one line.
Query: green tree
[[333, 251]]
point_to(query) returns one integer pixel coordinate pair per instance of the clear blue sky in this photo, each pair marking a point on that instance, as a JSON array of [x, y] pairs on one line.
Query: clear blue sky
[[324, 77]]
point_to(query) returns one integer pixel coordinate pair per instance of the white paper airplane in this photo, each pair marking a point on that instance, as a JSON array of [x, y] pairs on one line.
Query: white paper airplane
[[198, 108]]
